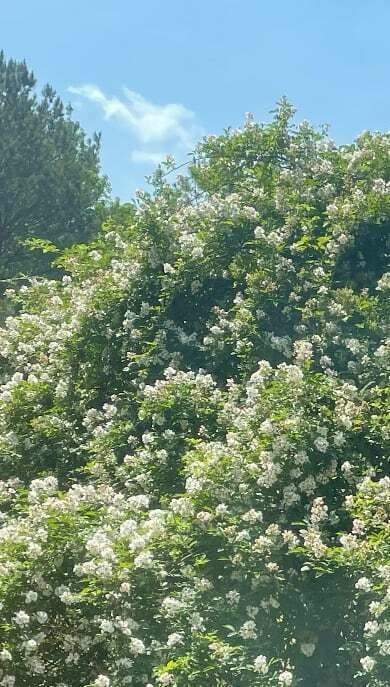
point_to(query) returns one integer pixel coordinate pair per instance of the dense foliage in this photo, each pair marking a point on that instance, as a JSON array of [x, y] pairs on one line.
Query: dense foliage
[[50, 182], [194, 431]]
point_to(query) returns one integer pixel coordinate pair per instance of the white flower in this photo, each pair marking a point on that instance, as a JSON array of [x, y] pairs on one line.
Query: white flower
[[285, 678], [385, 648], [102, 681], [165, 679], [303, 350], [8, 681], [267, 427], [174, 639], [170, 372], [31, 645], [294, 374], [260, 665], [42, 487], [197, 623], [107, 626], [193, 484], [319, 511], [197, 252], [252, 516], [371, 627], [321, 444], [127, 527], [182, 506], [137, 646], [204, 517], [358, 526], [259, 233], [109, 410], [42, 617], [367, 663], [168, 269], [171, 606], [147, 438], [139, 502], [248, 630], [232, 597], [143, 560], [21, 618], [5, 655], [221, 509], [30, 597], [384, 282], [363, 584]]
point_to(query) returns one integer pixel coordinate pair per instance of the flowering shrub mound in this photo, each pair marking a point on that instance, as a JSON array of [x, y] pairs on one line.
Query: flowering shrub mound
[[194, 431]]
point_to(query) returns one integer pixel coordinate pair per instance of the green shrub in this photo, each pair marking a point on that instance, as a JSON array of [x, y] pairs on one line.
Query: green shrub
[[194, 431]]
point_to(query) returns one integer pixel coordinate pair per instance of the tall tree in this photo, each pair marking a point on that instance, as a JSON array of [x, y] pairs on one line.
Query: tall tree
[[50, 180]]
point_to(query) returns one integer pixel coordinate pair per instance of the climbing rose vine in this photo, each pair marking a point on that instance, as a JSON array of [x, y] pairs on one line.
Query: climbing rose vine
[[195, 482]]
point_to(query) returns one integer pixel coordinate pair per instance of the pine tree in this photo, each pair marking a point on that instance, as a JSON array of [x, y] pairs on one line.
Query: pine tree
[[50, 181]]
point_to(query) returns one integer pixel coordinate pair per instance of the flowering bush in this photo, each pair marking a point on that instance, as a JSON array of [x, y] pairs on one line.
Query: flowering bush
[[194, 431]]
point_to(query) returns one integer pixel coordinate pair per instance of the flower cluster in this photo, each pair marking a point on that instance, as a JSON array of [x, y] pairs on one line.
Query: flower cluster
[[195, 483]]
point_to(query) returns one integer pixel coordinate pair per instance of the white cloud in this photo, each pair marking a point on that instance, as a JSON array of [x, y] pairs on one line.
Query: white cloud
[[172, 125]]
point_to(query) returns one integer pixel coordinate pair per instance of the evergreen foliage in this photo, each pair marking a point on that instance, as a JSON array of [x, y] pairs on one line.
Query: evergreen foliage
[[50, 181]]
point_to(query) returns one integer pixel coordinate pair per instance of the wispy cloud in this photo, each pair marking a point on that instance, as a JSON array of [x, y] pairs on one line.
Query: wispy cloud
[[172, 126]]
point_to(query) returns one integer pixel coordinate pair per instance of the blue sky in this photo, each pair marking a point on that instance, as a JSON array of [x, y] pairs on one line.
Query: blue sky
[[153, 76]]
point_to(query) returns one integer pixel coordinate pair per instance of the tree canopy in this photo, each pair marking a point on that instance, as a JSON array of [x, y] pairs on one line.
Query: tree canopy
[[195, 430], [50, 181]]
